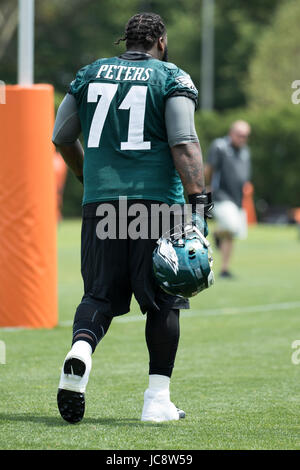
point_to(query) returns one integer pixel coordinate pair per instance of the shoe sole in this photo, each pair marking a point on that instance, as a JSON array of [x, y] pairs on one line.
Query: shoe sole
[[181, 413], [71, 404]]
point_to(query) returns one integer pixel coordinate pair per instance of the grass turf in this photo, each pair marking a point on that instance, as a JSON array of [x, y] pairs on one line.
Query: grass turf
[[233, 376]]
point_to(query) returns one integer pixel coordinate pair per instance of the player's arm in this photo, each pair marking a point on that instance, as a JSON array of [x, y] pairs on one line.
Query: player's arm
[[184, 143], [187, 155], [188, 162], [66, 131]]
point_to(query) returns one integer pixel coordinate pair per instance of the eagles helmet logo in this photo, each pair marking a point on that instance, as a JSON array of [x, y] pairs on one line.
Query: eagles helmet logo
[[167, 252], [186, 81]]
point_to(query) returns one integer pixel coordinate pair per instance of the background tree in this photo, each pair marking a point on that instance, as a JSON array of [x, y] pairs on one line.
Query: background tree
[[8, 23], [276, 61], [72, 33]]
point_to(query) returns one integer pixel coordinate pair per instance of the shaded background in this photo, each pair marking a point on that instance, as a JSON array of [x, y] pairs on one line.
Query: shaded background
[[256, 59]]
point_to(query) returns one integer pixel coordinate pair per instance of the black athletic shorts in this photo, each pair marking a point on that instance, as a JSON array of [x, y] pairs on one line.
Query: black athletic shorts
[[115, 268]]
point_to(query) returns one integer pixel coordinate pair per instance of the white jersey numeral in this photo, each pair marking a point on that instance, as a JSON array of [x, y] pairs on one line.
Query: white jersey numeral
[[134, 101], [107, 92]]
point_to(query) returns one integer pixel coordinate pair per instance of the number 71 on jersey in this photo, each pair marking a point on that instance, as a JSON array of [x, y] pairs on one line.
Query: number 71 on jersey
[[134, 101]]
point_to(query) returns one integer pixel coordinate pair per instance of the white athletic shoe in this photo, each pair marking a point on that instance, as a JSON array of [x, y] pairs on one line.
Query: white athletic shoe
[[73, 381], [158, 407], [75, 372]]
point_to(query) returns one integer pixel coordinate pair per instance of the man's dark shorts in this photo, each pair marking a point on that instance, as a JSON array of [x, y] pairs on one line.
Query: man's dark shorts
[[115, 269]]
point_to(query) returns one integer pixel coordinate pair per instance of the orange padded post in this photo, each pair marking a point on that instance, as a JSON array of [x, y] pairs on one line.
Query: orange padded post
[[248, 203], [28, 258]]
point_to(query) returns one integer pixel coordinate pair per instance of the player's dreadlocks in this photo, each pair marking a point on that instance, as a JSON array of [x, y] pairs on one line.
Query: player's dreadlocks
[[143, 29]]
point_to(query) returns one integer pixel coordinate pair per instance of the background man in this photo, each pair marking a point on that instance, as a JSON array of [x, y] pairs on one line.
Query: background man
[[227, 169], [136, 113]]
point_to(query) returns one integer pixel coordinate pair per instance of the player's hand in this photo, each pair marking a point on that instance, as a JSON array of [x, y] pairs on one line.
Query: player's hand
[[202, 206], [200, 223]]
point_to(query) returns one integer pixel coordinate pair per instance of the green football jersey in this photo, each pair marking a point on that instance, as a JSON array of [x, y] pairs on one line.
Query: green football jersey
[[121, 106]]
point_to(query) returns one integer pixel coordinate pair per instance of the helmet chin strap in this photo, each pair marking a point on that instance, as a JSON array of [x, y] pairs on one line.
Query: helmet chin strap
[[191, 230], [210, 279]]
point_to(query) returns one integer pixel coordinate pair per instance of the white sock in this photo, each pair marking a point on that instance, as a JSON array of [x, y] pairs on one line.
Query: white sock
[[81, 348], [159, 382]]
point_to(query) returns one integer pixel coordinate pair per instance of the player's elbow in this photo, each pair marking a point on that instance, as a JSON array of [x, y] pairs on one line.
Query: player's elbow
[[56, 140], [59, 142]]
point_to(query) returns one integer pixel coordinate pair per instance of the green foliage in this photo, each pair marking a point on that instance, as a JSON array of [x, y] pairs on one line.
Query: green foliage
[[276, 62], [72, 33], [238, 27], [274, 143]]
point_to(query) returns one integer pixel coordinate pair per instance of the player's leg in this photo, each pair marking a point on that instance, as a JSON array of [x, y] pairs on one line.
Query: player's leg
[[92, 318], [227, 215], [90, 326], [162, 337], [226, 248], [162, 327]]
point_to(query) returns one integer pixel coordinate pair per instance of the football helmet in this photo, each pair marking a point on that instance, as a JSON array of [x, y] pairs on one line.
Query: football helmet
[[182, 264]]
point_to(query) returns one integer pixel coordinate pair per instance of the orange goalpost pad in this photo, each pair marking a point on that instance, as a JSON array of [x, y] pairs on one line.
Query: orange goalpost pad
[[248, 203], [28, 254]]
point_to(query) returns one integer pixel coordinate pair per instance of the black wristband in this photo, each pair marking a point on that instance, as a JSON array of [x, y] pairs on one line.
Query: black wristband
[[201, 198]]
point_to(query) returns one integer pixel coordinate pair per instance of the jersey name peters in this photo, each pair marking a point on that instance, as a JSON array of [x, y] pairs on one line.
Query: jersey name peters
[[123, 73]]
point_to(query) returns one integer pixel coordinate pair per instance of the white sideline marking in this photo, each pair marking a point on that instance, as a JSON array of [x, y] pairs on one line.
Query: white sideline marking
[[217, 311]]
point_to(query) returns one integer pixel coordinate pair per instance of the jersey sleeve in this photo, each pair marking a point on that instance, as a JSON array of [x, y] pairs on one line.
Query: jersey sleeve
[[78, 83], [179, 83], [179, 119]]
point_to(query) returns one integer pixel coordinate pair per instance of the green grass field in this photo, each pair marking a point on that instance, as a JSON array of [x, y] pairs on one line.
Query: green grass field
[[234, 375]]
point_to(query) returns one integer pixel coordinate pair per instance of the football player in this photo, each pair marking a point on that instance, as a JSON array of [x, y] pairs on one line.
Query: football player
[[136, 113]]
